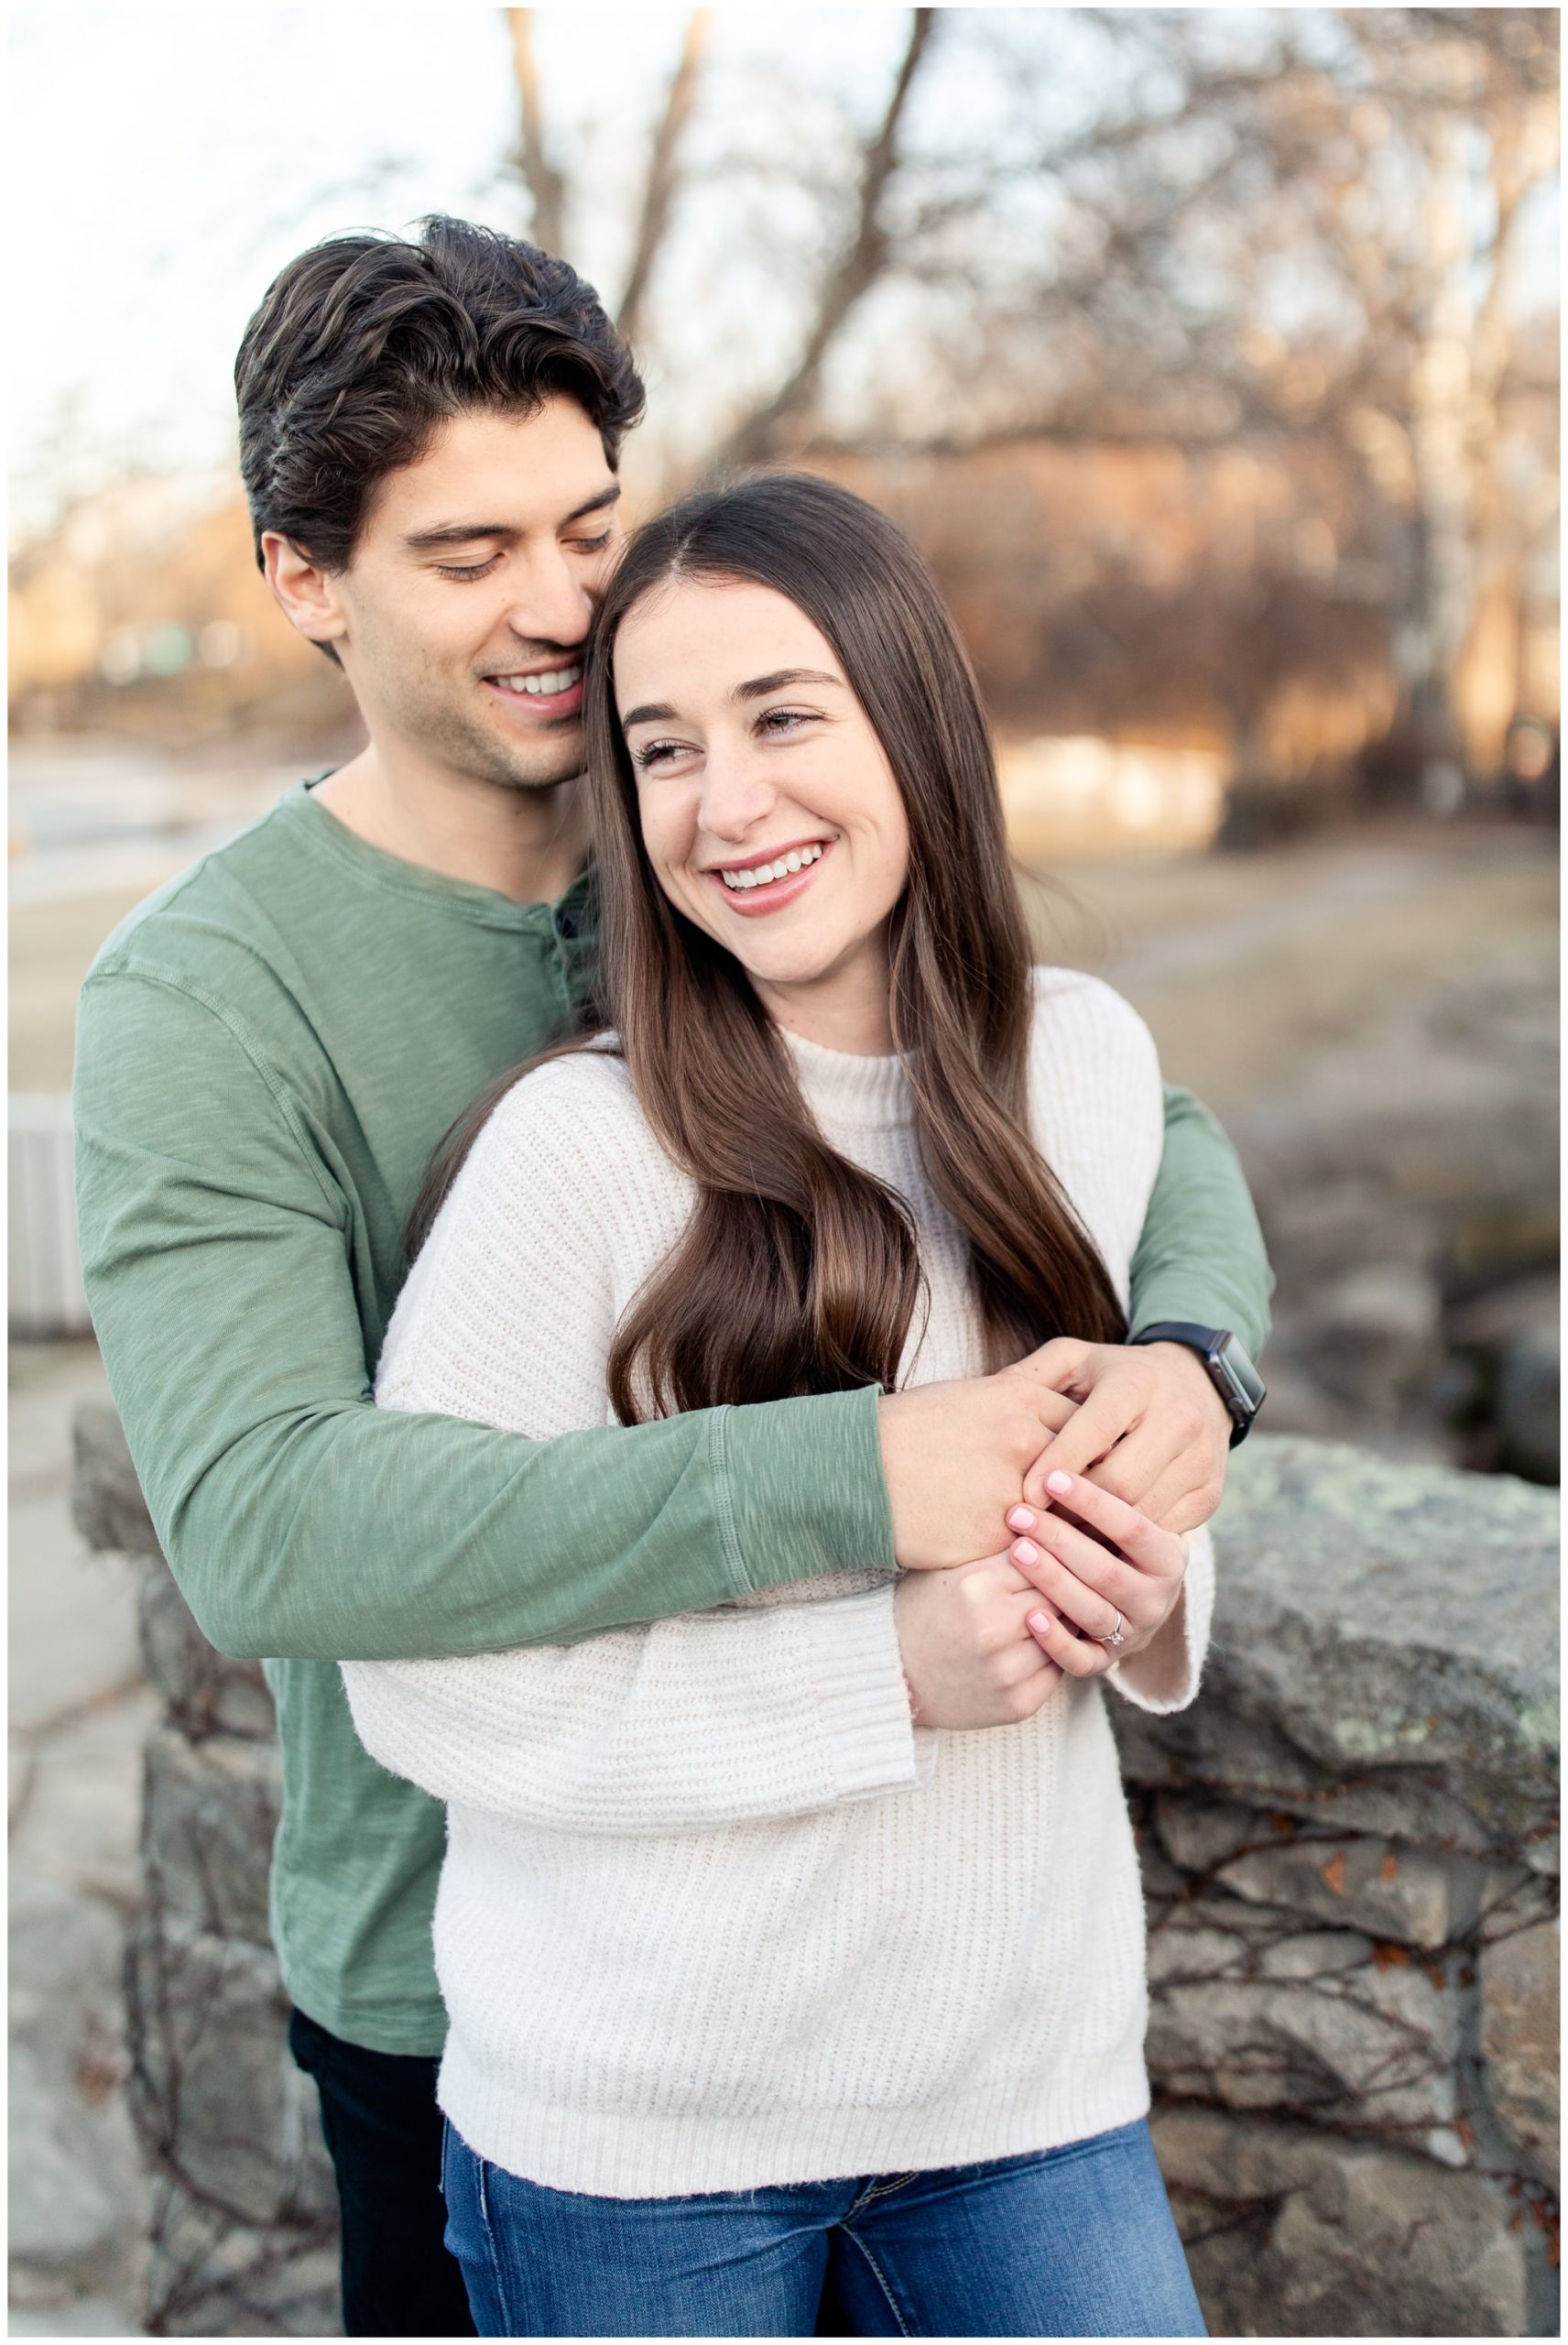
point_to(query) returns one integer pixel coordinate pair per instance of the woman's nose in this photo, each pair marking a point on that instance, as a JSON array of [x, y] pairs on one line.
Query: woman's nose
[[735, 794]]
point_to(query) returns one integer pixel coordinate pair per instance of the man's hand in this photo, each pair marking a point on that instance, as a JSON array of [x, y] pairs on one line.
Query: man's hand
[[1150, 1429], [969, 1657], [955, 1456]]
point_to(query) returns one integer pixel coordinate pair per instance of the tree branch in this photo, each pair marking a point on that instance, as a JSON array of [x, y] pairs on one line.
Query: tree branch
[[543, 181], [662, 175], [859, 264]]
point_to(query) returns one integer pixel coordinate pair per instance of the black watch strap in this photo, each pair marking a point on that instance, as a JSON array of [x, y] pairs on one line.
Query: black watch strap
[[1231, 1372]]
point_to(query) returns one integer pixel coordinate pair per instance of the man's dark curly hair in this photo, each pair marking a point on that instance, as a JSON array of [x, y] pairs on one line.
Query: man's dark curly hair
[[364, 344]]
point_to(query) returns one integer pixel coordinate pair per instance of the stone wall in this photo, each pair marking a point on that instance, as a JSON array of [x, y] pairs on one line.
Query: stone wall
[[1350, 1857], [1350, 1860], [243, 2220]]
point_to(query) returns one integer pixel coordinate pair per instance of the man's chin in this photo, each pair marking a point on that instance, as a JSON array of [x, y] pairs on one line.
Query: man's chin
[[512, 764]]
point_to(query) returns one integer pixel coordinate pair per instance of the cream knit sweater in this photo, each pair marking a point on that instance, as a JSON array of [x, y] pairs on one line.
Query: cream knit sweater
[[715, 1915]]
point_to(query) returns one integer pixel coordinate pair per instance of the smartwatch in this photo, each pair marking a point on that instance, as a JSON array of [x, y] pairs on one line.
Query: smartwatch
[[1231, 1373]]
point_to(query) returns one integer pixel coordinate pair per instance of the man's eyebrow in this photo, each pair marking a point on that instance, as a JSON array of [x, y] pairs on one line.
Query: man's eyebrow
[[606, 496], [659, 712], [462, 533]]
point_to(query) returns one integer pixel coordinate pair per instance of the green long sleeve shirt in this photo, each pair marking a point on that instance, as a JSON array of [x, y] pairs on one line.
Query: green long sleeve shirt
[[269, 1050]]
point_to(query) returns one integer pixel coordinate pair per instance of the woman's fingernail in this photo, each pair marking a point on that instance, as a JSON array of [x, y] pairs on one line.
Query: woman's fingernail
[[1059, 1484], [1021, 1518], [1024, 1552], [1040, 1622]]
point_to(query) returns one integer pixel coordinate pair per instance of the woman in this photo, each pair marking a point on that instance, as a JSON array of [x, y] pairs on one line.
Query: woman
[[755, 1979]]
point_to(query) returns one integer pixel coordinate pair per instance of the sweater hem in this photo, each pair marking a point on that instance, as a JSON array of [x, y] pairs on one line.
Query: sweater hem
[[622, 2157]]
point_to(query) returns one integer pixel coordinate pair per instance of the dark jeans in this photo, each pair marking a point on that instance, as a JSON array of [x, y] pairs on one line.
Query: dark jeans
[[383, 2132], [1077, 2241]]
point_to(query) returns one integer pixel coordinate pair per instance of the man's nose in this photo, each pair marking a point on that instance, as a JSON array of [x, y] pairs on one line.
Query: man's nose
[[735, 793], [552, 605]]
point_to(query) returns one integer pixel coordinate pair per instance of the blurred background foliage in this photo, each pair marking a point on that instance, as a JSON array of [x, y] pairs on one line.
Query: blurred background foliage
[[1211, 356]]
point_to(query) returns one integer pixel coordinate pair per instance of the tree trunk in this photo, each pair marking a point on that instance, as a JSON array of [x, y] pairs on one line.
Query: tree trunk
[[542, 181]]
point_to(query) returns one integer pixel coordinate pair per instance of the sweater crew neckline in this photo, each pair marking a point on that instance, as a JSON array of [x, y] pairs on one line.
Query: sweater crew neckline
[[850, 1090]]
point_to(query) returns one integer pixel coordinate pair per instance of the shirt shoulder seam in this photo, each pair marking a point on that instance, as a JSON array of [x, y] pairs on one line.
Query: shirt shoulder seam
[[236, 1028]]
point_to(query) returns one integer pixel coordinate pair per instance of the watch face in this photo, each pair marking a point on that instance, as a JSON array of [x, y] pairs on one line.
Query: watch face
[[1240, 1377]]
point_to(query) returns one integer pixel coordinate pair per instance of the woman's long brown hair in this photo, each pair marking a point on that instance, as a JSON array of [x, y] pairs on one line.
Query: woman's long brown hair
[[800, 1272]]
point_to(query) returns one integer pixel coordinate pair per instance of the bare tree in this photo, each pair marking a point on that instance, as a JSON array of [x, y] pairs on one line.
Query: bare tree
[[544, 182], [860, 263], [1297, 231], [659, 190]]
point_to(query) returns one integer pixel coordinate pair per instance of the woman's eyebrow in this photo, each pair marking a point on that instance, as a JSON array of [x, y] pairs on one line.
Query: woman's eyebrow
[[779, 679], [659, 712]]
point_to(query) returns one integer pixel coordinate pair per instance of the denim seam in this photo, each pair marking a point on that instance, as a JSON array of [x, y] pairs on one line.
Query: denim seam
[[496, 2281], [881, 2279], [882, 2190]]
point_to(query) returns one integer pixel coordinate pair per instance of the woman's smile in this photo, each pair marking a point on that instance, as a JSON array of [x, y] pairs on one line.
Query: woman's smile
[[766, 882]]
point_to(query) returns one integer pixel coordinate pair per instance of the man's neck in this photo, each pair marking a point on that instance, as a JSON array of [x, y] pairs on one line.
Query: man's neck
[[525, 843]]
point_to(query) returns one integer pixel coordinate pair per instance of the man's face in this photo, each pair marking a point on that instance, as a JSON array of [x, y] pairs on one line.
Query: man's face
[[474, 584]]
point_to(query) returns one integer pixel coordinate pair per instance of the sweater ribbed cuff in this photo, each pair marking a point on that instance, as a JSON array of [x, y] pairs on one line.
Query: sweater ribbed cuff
[[863, 1703], [1164, 1676]]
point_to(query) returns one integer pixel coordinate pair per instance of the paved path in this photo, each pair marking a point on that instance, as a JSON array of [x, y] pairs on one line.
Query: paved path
[[79, 1715]]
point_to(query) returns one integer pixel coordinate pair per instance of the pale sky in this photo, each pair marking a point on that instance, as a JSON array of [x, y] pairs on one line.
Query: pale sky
[[164, 162]]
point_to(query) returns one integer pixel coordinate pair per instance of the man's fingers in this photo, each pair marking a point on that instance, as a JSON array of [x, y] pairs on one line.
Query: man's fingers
[[1136, 1464], [1096, 1426], [1060, 1364], [1177, 1504]]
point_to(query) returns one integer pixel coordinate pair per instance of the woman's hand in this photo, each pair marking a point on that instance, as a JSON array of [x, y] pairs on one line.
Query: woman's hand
[[1105, 1562], [969, 1658]]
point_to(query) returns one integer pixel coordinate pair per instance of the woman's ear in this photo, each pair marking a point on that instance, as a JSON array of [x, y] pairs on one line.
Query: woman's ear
[[305, 593]]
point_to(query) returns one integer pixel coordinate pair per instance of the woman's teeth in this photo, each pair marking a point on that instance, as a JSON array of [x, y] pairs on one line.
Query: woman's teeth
[[555, 679], [759, 874]]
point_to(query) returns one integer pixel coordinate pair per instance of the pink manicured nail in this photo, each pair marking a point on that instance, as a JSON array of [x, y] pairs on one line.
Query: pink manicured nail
[[1021, 1518], [1040, 1621], [1059, 1484], [1024, 1551]]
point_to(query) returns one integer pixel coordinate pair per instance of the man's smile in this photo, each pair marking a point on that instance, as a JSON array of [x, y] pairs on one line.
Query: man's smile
[[538, 695]]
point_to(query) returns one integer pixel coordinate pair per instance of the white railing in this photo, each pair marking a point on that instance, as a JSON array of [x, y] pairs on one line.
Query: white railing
[[46, 1290]]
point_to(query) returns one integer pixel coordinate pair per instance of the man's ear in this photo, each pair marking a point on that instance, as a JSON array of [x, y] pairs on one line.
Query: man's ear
[[305, 593]]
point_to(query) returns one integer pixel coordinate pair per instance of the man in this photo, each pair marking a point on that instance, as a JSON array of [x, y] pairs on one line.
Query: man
[[272, 1046]]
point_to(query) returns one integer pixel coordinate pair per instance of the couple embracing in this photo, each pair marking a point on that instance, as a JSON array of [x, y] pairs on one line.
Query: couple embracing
[[689, 1358]]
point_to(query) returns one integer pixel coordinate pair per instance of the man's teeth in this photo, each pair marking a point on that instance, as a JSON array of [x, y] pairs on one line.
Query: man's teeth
[[759, 874], [555, 679]]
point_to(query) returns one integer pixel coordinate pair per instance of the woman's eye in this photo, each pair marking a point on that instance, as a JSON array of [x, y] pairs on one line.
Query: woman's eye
[[466, 570], [781, 721], [657, 753]]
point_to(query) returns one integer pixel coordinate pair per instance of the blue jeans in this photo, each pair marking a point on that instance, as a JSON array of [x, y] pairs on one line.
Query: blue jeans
[[1077, 2241]]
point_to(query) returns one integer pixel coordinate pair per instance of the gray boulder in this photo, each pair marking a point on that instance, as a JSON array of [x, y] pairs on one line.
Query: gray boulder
[[107, 1501], [1383, 1652], [210, 1811]]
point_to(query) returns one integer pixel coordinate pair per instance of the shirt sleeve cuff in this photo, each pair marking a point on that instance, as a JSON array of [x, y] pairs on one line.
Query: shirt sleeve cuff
[[1164, 1676], [863, 1702], [805, 1488]]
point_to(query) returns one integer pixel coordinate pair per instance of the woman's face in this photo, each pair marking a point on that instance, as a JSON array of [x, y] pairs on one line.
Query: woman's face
[[754, 758]]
